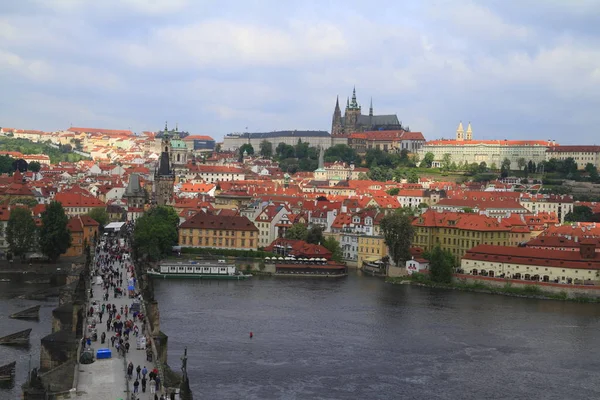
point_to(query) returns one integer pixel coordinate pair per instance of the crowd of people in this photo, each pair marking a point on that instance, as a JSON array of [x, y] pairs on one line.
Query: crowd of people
[[113, 274]]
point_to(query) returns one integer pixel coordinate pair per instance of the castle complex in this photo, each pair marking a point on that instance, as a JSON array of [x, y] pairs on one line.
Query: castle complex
[[354, 121]]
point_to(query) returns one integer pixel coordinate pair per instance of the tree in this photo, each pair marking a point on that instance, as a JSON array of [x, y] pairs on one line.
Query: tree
[[493, 167], [34, 166], [446, 161], [156, 232], [569, 166], [342, 152], [398, 233], [218, 148], [55, 237], [580, 214], [99, 215], [20, 231], [334, 247], [592, 171], [441, 265], [6, 164], [247, 148], [284, 151], [521, 163], [266, 149], [482, 166], [315, 235], [301, 150], [427, 160], [393, 191], [506, 164], [297, 232], [412, 177]]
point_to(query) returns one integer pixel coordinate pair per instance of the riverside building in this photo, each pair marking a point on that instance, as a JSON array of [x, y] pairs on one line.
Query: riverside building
[[533, 264]]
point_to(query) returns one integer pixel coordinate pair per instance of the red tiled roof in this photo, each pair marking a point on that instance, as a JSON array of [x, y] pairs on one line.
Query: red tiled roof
[[101, 131], [198, 137], [490, 142], [204, 220], [573, 149], [78, 200], [531, 256], [463, 221]]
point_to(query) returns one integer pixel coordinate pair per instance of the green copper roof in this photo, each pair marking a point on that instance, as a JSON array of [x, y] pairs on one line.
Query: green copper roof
[[178, 144]]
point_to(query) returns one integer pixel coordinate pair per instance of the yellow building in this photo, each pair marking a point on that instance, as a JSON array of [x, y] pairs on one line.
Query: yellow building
[[219, 232], [458, 232], [582, 155], [371, 248], [530, 264]]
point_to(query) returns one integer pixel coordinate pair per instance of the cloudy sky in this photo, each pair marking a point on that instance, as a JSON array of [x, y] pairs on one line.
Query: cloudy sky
[[515, 69]]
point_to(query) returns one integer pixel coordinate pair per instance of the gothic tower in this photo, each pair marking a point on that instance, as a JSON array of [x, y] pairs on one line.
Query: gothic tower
[[460, 133], [351, 115], [336, 124], [164, 178]]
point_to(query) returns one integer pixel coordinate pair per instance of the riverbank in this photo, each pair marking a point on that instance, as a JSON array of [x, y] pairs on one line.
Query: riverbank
[[509, 288]]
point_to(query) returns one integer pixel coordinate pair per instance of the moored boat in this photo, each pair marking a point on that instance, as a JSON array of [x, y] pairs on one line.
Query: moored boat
[[7, 372], [374, 268], [307, 267], [198, 270], [20, 338], [30, 313]]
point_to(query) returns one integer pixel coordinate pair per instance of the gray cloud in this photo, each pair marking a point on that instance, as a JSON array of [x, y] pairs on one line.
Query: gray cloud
[[514, 69]]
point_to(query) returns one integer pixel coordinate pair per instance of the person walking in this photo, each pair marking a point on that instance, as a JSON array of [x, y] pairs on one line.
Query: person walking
[[152, 386], [138, 370], [144, 371], [144, 384], [129, 370], [136, 385]]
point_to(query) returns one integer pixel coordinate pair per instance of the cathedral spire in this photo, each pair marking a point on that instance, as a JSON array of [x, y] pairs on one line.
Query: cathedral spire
[[337, 103], [166, 129], [371, 108], [347, 102], [354, 104]]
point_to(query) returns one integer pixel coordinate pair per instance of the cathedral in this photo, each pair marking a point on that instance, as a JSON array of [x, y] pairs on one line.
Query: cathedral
[[354, 121], [164, 177]]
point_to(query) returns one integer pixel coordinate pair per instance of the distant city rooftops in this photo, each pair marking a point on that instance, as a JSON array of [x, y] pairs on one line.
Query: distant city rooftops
[[266, 135]]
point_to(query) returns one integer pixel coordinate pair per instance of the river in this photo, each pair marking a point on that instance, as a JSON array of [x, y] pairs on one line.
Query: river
[[359, 338], [9, 304]]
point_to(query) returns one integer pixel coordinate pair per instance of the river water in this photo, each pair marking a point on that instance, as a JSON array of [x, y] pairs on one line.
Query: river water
[[359, 338], [9, 304]]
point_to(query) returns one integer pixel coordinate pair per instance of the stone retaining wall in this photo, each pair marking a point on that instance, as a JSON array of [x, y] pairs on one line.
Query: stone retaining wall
[[572, 291]]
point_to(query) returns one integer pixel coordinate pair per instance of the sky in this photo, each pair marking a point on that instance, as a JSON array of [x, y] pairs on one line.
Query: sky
[[514, 69]]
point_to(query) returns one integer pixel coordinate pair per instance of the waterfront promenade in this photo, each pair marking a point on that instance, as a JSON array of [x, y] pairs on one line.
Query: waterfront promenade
[[106, 378]]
